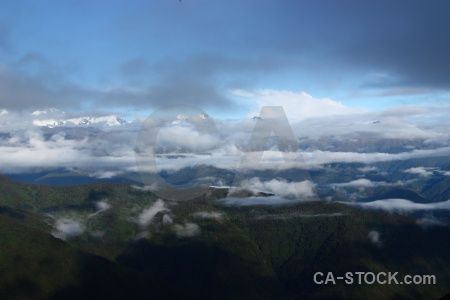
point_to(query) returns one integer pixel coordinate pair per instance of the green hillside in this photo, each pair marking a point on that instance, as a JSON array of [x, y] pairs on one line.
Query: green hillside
[[35, 265], [228, 252]]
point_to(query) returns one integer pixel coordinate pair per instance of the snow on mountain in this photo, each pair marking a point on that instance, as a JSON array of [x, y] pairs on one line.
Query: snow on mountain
[[48, 122], [180, 118], [111, 120], [107, 120]]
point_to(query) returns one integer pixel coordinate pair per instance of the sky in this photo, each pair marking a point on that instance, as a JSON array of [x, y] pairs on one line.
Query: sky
[[358, 81], [229, 58]]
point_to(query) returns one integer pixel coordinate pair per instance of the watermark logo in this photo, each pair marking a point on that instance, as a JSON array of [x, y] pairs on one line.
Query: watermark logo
[[147, 149], [272, 132], [372, 278]]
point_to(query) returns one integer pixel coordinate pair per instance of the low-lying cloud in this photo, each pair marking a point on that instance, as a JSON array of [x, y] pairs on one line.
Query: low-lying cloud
[[297, 215], [167, 220], [208, 214], [367, 169], [374, 237], [101, 206], [107, 152], [147, 215], [66, 228], [303, 189], [422, 171], [430, 222], [364, 183], [248, 201], [187, 230], [400, 205], [105, 174]]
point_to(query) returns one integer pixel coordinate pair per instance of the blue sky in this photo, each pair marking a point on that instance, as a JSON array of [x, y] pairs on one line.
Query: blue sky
[[136, 56]]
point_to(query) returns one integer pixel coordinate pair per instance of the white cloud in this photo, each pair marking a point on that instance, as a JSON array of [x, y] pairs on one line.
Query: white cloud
[[374, 237], [318, 157], [209, 214], [303, 189], [142, 235], [150, 187], [187, 230], [185, 138], [67, 228], [430, 222], [105, 174], [149, 213], [297, 105], [102, 205], [249, 201], [167, 220], [105, 152], [297, 215], [422, 171], [367, 169], [29, 150], [401, 205], [362, 182]]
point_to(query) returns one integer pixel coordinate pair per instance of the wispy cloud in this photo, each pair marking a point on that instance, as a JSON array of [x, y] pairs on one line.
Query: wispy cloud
[[297, 215], [303, 189], [249, 201], [364, 183], [66, 228], [105, 174], [401, 205], [428, 222], [209, 214], [368, 169], [147, 215], [106, 153], [374, 237], [101, 206], [167, 219], [422, 171], [187, 230]]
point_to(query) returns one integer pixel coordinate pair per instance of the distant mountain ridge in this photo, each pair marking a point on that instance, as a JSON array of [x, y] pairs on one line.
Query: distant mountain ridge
[[57, 118]]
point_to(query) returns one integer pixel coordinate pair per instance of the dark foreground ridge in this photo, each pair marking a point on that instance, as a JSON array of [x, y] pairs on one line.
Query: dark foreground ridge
[[206, 250]]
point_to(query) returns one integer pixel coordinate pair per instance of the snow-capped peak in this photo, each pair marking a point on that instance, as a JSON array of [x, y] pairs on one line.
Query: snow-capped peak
[[181, 117], [111, 120]]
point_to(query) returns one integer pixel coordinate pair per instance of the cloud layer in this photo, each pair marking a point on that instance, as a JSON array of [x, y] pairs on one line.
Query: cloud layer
[[106, 152], [402, 205], [303, 190]]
